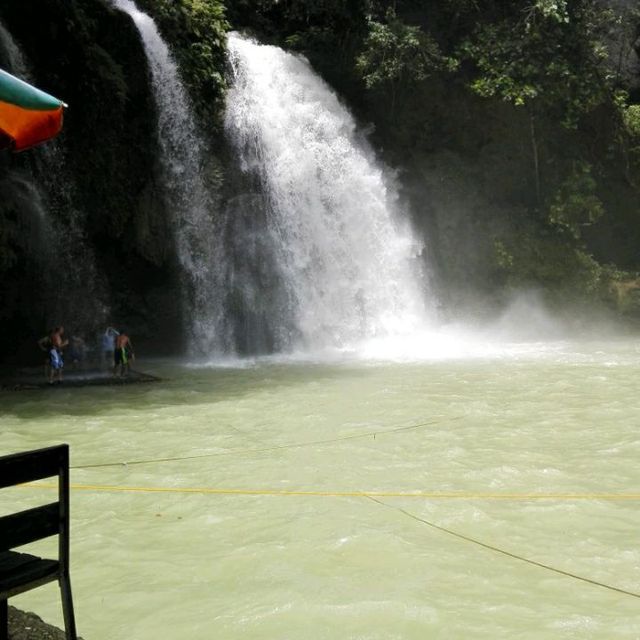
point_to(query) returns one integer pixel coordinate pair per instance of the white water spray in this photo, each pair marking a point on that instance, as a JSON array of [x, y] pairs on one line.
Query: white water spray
[[344, 254], [199, 244]]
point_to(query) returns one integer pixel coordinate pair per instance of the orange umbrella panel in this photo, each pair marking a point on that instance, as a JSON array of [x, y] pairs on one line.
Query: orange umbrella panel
[[28, 116]]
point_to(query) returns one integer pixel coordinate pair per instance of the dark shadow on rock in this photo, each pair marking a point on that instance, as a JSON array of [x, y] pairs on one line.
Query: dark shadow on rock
[[28, 626]]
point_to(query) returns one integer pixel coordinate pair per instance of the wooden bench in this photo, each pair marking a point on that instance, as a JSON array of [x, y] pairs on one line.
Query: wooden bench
[[20, 572]]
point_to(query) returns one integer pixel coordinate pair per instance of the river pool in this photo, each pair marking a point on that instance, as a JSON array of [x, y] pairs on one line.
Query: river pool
[[241, 514]]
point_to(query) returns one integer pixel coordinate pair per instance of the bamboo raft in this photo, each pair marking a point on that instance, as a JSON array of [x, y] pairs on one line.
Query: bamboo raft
[[33, 378]]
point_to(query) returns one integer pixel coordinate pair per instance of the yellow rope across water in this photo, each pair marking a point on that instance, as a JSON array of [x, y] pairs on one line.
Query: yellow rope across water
[[425, 495], [375, 495]]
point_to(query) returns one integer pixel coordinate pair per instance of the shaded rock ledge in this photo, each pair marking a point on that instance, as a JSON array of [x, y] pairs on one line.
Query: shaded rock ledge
[[28, 626]]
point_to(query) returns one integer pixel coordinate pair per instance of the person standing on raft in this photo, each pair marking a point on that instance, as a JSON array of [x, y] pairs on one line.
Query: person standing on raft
[[123, 355], [109, 346], [58, 343]]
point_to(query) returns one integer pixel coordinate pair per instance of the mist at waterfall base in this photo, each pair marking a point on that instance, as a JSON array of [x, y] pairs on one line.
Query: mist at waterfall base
[[524, 330]]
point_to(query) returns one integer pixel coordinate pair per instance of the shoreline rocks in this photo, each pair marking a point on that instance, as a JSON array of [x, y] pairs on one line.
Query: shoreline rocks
[[24, 625]]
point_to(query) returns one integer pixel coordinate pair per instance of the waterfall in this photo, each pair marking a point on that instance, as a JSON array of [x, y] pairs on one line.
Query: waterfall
[[324, 253], [199, 245]]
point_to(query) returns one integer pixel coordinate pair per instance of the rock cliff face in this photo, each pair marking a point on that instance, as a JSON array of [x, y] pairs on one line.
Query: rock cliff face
[[624, 41], [91, 56], [104, 169]]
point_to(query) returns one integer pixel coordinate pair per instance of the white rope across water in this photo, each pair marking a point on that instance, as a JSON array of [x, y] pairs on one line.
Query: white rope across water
[[509, 554], [293, 445]]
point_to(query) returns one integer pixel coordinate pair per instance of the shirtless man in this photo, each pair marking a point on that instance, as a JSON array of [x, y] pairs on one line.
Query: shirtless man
[[57, 338], [123, 354]]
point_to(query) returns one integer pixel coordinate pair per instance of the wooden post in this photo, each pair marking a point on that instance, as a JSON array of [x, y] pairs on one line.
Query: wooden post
[[4, 620], [63, 548]]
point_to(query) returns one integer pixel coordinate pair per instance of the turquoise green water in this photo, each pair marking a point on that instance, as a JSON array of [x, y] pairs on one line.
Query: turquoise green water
[[294, 556]]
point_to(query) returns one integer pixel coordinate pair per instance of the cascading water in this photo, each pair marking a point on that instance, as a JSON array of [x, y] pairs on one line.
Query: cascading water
[[327, 236], [199, 245]]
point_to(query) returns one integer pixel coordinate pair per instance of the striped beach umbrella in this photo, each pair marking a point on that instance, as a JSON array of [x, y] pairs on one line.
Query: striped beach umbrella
[[28, 116]]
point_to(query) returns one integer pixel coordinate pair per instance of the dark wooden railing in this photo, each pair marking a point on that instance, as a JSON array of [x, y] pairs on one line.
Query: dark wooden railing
[[20, 572]]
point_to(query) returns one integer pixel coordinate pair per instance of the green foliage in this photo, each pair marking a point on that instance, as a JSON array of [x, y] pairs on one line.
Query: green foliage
[[554, 9], [575, 204], [631, 119], [297, 16], [196, 31], [396, 53], [540, 260], [552, 59]]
